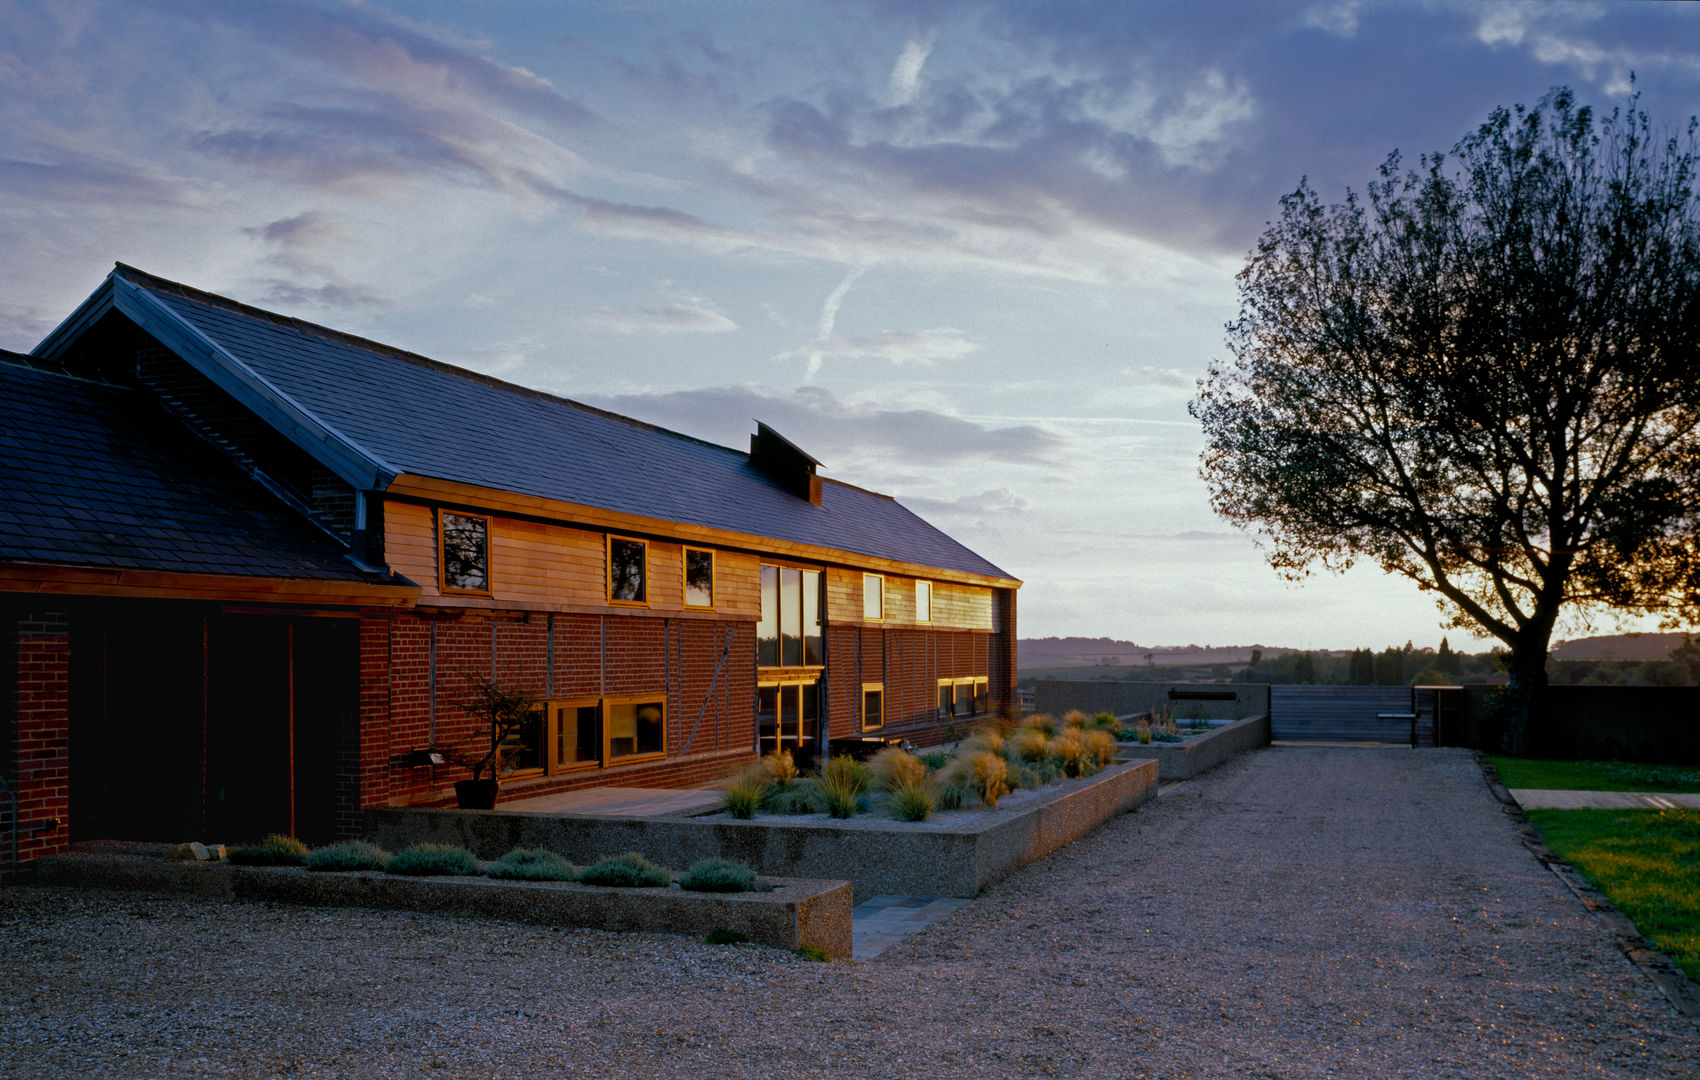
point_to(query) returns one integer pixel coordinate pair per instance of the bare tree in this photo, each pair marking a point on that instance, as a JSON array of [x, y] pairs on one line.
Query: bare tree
[[1485, 379]]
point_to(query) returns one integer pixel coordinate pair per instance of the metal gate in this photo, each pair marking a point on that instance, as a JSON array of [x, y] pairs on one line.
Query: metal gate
[[1340, 714]]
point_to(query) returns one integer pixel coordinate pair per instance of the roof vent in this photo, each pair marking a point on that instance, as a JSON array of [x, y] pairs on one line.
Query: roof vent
[[780, 461]]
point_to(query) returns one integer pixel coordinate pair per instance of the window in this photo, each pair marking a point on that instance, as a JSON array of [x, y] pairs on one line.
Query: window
[[589, 732], [522, 750], [789, 633], [463, 552], [960, 699], [873, 596], [787, 715], [923, 601], [577, 728], [873, 706], [628, 566], [637, 727], [699, 578]]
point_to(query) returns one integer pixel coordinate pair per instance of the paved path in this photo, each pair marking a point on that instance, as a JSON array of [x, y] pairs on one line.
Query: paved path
[[1297, 913], [1550, 799]]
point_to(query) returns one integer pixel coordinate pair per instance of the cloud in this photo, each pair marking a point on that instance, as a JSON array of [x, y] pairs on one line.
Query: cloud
[[995, 503], [905, 81], [829, 427], [308, 232], [671, 319], [942, 344], [332, 294]]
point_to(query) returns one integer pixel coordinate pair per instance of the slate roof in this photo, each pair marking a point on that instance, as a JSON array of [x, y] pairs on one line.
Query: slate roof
[[93, 474], [409, 414]]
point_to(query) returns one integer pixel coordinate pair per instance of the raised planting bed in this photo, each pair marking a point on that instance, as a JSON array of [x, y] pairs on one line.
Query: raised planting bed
[[1198, 753], [787, 912], [954, 853]]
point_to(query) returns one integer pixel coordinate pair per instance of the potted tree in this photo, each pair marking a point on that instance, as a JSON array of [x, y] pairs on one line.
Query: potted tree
[[503, 713]]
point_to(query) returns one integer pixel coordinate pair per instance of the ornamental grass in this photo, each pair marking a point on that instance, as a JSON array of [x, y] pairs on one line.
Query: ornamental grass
[[895, 767]]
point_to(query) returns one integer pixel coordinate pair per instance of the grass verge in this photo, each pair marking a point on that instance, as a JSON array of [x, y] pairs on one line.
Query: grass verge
[[1596, 775], [1647, 862]]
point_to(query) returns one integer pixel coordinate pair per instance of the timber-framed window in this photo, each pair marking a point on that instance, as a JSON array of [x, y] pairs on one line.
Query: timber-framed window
[[628, 571], [923, 601], [699, 578], [873, 706], [789, 633], [463, 553], [590, 732], [873, 597], [962, 698]]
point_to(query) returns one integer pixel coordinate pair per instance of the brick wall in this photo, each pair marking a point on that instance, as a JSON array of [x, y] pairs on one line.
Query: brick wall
[[417, 667], [40, 756]]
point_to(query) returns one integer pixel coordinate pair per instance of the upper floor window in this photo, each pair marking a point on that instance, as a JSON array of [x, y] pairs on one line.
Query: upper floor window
[[873, 596], [699, 578], [463, 552], [923, 601], [628, 570], [789, 633]]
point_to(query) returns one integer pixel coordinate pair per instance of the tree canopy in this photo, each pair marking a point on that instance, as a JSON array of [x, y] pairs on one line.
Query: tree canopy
[[1483, 377]]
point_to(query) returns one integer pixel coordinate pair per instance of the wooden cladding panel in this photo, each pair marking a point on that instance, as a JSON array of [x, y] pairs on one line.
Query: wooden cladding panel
[[555, 566], [955, 607]]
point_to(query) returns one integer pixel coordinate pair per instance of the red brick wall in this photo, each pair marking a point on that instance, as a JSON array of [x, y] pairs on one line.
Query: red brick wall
[[42, 754], [417, 667]]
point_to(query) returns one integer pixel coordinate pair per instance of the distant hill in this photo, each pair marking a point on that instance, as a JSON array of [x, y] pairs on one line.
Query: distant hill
[[1109, 652], [1637, 647]]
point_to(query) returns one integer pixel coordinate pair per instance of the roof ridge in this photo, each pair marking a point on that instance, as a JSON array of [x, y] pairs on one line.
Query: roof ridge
[[189, 292]]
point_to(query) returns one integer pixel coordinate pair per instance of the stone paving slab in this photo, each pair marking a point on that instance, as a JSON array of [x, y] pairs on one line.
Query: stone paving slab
[[1549, 799], [883, 921]]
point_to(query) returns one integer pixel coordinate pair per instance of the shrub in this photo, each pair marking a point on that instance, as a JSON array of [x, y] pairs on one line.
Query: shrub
[[813, 953], [952, 794], [986, 774], [780, 767], [1100, 747], [424, 860], [801, 797], [275, 850], [841, 791], [1042, 722], [846, 771], [936, 759], [348, 855], [988, 738], [1074, 718], [1103, 721], [895, 767], [630, 870], [742, 795], [1069, 749], [718, 875], [911, 802], [1144, 733], [1028, 745], [532, 864]]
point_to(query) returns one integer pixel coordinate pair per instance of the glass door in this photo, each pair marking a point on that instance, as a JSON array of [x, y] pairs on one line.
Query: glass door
[[787, 715]]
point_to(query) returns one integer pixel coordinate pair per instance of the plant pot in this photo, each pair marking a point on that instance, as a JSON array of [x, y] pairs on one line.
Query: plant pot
[[476, 794]]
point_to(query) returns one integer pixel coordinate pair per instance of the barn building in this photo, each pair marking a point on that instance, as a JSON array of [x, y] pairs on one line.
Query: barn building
[[251, 568]]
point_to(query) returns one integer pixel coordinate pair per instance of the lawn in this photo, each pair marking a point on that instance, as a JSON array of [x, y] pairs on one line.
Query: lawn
[[1596, 775], [1647, 862]]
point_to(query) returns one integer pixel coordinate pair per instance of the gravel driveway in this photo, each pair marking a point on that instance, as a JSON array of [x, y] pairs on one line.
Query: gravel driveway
[[1298, 912]]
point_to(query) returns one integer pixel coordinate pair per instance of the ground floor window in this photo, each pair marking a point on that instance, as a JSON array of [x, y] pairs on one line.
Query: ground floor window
[[873, 706], [960, 699], [593, 731]]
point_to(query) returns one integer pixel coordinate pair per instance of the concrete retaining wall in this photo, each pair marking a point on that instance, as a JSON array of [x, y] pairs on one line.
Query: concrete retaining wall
[[954, 854], [1057, 696], [1183, 760], [792, 914]]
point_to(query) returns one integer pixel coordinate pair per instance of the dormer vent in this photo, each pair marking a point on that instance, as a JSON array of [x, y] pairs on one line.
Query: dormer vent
[[779, 459]]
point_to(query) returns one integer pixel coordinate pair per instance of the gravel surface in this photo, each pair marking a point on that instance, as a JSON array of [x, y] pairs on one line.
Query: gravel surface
[[1297, 912]]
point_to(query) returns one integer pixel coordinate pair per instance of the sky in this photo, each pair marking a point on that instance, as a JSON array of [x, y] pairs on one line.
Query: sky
[[973, 255]]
